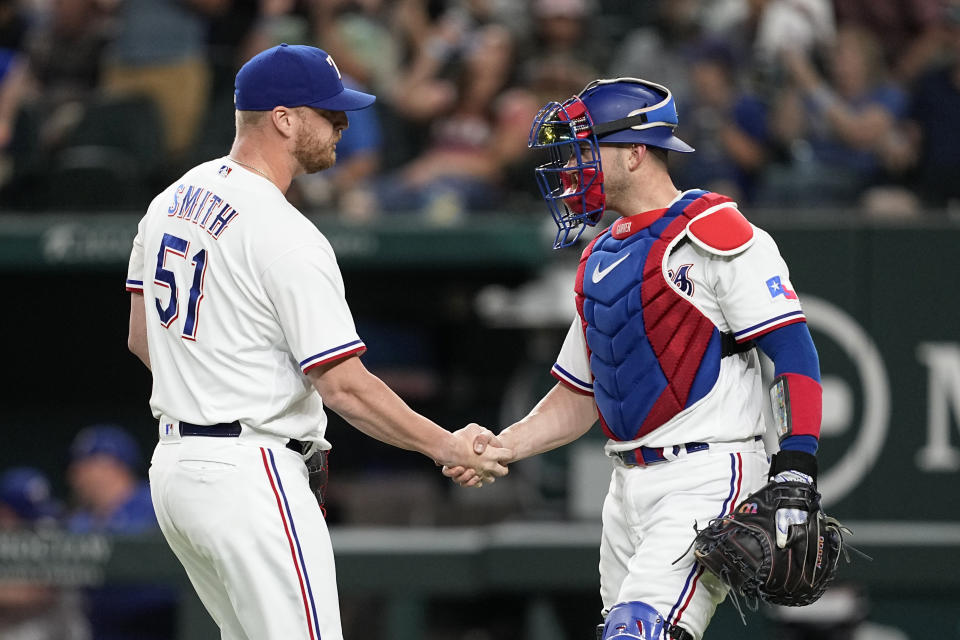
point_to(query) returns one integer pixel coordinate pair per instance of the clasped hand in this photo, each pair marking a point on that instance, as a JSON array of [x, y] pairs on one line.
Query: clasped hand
[[484, 457]]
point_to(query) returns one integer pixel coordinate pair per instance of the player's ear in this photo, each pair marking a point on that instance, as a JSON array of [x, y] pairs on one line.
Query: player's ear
[[635, 158], [283, 121]]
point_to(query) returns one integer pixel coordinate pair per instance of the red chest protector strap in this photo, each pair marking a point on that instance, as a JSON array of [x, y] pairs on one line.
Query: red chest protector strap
[[678, 332]]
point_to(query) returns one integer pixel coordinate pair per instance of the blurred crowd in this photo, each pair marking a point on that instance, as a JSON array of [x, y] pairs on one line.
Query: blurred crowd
[[791, 104], [109, 495]]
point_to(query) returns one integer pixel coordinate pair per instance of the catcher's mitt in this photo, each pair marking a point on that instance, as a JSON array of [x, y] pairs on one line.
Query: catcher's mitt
[[742, 548]]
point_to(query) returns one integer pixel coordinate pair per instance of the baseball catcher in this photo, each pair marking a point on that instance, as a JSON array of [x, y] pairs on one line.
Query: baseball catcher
[[675, 301], [778, 545]]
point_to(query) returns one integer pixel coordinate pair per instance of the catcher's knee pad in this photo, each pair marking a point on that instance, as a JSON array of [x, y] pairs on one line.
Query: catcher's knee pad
[[633, 621], [638, 620]]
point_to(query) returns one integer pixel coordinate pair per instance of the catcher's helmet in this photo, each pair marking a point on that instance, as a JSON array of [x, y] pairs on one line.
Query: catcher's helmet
[[613, 111]]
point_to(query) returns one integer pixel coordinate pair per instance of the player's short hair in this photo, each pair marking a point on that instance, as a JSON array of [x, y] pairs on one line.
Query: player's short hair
[[250, 118], [659, 153]]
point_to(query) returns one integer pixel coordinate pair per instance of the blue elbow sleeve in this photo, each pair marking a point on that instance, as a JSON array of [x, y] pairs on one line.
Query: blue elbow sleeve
[[792, 351]]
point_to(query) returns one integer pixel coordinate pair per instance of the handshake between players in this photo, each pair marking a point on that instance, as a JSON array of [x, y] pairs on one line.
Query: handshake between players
[[489, 462], [470, 457]]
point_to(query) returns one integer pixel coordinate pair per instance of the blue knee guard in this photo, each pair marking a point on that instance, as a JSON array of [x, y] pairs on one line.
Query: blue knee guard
[[633, 621]]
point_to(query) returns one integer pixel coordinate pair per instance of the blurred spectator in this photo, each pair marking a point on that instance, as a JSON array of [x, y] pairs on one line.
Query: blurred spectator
[[158, 50], [110, 497], [442, 36], [227, 35], [908, 32], [108, 494], [13, 30], [554, 64], [726, 126], [26, 500], [14, 24], [660, 52], [933, 126], [481, 130], [762, 31], [277, 21], [427, 86], [51, 86], [835, 130], [32, 610], [358, 34]]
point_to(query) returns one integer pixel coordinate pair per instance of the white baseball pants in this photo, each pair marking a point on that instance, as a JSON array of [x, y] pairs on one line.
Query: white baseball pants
[[648, 522], [240, 516]]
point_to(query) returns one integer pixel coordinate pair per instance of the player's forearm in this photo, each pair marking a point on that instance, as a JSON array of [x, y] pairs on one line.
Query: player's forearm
[[369, 405], [559, 418], [378, 412]]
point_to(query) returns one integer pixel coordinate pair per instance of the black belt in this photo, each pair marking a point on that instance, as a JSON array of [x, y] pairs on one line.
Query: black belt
[[645, 456], [230, 430]]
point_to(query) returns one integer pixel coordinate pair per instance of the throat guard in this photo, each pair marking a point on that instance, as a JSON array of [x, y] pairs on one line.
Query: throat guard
[[652, 352]]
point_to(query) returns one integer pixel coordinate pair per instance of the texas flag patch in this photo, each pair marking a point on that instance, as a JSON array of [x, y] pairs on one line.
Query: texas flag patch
[[777, 288]]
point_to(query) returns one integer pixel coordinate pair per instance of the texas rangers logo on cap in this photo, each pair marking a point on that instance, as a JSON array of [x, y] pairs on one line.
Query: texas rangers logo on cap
[[334, 65]]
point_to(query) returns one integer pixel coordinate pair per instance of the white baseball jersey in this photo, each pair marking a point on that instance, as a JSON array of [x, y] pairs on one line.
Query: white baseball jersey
[[747, 295], [243, 296]]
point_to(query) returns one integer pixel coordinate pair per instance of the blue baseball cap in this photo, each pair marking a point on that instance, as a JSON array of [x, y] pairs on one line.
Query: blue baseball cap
[[27, 492], [106, 439], [295, 75]]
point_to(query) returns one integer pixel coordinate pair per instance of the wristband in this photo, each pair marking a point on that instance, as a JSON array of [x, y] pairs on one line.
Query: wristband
[[793, 461], [797, 403]]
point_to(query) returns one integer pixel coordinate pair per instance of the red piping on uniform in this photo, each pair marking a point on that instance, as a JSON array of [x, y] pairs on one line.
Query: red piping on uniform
[[570, 385], [693, 588], [286, 529], [736, 496], [339, 356]]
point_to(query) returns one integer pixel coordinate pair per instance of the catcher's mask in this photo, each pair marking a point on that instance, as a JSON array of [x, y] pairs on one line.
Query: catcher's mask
[[614, 111]]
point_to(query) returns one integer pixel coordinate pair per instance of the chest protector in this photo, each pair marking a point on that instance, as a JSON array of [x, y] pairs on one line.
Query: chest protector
[[652, 352]]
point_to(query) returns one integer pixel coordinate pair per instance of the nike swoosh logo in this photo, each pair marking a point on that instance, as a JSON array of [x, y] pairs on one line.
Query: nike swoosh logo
[[599, 274]]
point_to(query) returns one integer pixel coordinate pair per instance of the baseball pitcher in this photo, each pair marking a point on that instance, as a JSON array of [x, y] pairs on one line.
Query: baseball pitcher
[[239, 310]]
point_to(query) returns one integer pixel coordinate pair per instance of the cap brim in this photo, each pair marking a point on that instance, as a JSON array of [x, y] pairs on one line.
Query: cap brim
[[347, 100], [663, 137], [655, 136]]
